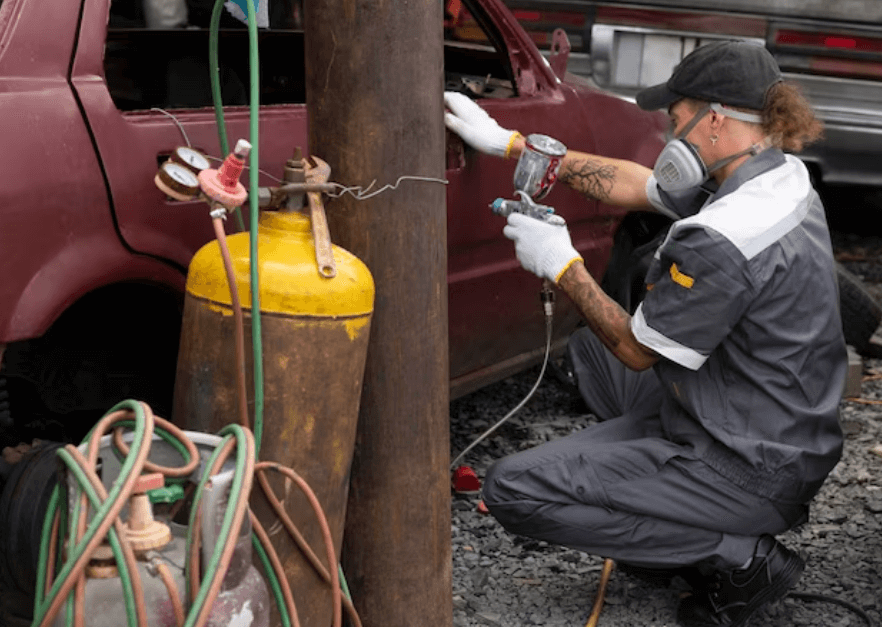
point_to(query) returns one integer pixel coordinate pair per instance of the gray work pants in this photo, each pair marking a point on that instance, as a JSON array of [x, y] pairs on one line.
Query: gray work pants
[[620, 490]]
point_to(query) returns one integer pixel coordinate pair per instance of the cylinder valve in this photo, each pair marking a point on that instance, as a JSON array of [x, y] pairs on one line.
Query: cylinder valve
[[143, 531]]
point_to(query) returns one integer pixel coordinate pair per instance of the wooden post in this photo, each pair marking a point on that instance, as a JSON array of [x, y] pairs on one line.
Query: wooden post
[[375, 77]]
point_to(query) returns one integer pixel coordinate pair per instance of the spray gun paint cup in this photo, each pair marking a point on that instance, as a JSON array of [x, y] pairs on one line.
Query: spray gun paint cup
[[537, 168]]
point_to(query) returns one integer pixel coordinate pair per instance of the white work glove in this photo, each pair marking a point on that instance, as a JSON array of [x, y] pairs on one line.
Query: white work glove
[[476, 127], [544, 249]]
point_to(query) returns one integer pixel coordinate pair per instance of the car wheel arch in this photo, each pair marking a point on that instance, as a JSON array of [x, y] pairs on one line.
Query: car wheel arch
[[116, 341], [634, 242], [75, 271]]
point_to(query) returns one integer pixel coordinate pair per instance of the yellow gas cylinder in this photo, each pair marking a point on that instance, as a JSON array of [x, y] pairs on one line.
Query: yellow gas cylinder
[[315, 336]]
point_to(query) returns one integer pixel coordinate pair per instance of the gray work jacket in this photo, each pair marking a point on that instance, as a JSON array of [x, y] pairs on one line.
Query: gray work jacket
[[743, 307]]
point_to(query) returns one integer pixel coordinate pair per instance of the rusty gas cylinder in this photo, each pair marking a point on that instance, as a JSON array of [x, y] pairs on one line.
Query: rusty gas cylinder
[[315, 336]]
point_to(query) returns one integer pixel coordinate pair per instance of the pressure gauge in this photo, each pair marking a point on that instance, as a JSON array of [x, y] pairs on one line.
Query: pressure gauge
[[177, 181], [190, 158]]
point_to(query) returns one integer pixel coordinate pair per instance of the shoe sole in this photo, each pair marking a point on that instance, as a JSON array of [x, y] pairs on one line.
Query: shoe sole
[[792, 573]]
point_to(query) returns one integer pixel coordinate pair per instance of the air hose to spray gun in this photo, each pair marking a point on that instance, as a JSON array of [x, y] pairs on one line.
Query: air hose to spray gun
[[547, 297], [534, 175]]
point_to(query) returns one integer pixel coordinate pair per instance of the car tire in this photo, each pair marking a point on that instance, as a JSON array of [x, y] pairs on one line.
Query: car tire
[[861, 312], [25, 490]]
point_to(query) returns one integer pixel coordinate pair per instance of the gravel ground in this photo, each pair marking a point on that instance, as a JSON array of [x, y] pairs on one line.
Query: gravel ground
[[507, 580]]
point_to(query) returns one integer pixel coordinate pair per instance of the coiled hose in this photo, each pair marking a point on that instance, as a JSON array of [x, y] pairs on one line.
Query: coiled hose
[[61, 582]]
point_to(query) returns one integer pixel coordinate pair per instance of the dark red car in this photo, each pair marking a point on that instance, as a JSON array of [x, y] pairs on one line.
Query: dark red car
[[93, 96]]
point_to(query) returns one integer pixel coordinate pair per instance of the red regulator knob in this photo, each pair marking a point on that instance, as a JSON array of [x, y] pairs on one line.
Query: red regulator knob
[[222, 185]]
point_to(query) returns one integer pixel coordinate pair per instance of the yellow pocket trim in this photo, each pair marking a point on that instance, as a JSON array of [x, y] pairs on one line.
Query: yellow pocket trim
[[680, 278]]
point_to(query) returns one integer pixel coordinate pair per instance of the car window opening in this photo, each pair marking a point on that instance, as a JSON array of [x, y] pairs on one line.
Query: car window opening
[[175, 73]]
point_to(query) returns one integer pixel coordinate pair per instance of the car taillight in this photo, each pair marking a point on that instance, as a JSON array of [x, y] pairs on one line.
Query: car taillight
[[828, 41], [836, 54]]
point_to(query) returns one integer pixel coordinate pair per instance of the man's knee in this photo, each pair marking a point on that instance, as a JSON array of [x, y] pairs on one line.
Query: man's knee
[[492, 490], [508, 508], [502, 496]]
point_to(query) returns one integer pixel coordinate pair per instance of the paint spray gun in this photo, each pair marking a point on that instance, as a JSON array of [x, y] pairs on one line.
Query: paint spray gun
[[503, 207], [535, 174]]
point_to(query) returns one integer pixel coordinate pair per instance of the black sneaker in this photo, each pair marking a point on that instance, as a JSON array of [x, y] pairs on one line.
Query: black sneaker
[[663, 577], [733, 596]]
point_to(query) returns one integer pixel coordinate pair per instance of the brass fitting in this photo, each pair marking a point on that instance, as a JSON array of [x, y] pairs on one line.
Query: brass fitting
[[142, 530]]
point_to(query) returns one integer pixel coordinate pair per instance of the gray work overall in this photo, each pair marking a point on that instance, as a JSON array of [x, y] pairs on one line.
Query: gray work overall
[[735, 429]]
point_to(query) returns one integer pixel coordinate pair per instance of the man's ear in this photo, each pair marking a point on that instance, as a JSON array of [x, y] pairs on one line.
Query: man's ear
[[716, 120]]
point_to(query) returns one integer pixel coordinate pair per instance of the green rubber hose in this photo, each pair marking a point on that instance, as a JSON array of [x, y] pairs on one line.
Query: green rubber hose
[[41, 603], [254, 162]]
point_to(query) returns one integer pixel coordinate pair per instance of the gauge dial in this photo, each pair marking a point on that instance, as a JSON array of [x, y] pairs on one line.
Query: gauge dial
[[177, 181], [190, 158]]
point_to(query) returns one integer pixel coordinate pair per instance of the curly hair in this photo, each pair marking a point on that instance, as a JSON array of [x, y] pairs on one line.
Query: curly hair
[[789, 118]]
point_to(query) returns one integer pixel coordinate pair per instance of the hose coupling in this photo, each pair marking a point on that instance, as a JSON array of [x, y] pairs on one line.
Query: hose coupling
[[546, 295]]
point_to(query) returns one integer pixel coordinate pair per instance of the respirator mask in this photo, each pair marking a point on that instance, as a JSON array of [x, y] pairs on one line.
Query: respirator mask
[[679, 166]]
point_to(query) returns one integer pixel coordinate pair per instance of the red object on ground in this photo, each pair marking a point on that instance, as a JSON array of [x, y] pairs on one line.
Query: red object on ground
[[465, 481], [482, 509]]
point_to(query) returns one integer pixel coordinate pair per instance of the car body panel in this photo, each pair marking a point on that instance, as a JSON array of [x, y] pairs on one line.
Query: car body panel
[[132, 144], [831, 50], [100, 219], [57, 236]]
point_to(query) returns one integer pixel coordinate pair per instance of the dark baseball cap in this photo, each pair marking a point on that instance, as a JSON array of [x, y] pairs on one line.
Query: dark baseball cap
[[734, 73]]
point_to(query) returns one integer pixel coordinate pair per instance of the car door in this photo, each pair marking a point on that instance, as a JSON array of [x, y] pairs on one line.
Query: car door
[[144, 88], [496, 320], [56, 228]]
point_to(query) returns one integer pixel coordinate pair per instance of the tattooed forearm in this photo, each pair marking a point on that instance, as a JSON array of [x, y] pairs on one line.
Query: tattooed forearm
[[603, 315], [606, 318], [589, 176]]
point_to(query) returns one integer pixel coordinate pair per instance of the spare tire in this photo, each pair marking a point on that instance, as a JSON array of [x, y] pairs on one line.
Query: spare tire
[[25, 489], [861, 312]]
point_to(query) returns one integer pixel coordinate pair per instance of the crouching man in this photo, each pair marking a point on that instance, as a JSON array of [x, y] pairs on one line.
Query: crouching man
[[719, 397]]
